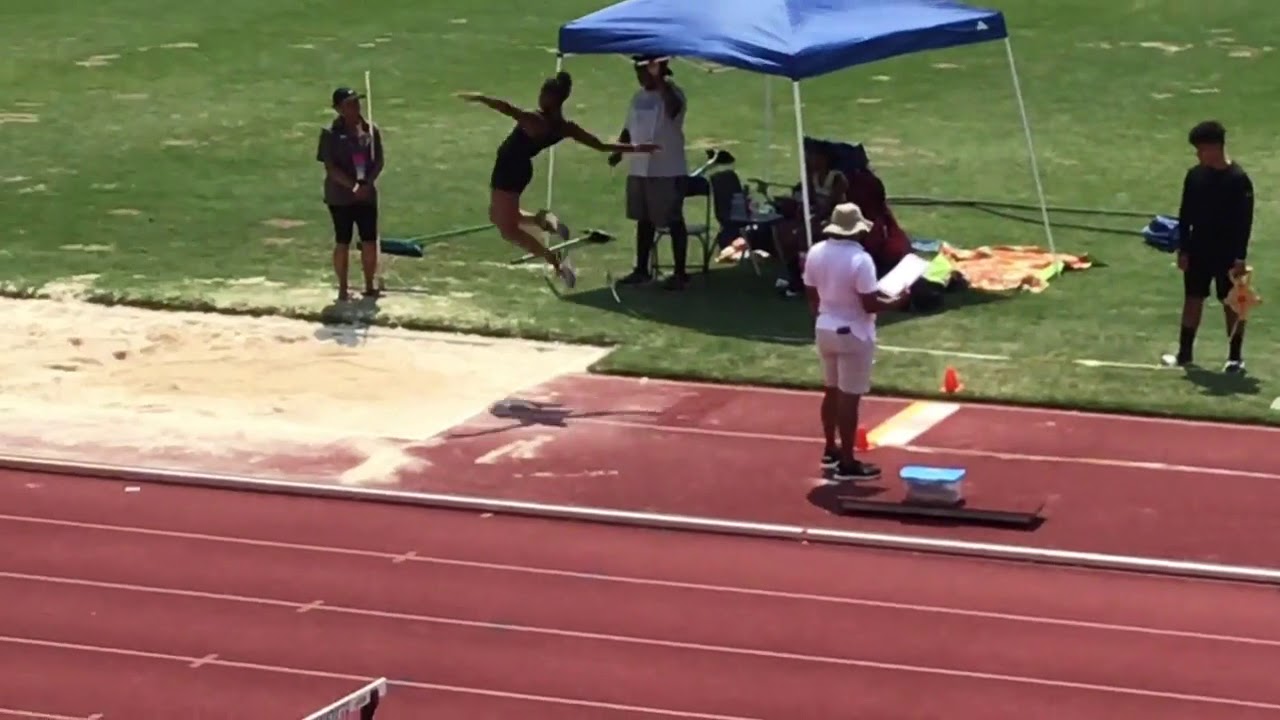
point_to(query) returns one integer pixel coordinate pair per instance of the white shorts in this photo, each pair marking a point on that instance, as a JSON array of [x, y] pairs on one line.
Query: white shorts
[[846, 361]]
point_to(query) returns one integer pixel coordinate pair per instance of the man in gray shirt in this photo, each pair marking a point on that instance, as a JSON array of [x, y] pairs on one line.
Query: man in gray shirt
[[656, 183], [351, 150]]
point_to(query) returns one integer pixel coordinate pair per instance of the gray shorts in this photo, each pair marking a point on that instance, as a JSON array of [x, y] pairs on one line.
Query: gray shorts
[[658, 200], [846, 361]]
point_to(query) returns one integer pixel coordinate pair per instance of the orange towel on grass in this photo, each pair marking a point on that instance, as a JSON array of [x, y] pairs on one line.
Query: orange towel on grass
[[1002, 268]]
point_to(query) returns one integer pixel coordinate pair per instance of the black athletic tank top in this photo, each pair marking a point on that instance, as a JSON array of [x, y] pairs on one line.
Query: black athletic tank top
[[519, 145]]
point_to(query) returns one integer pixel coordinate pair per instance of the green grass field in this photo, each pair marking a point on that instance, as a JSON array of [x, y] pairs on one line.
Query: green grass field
[[162, 154]]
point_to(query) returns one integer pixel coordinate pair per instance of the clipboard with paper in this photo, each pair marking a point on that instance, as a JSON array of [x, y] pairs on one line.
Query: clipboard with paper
[[905, 274]]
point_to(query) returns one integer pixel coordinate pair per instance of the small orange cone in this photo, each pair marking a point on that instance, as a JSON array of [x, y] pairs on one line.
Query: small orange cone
[[951, 381], [860, 443]]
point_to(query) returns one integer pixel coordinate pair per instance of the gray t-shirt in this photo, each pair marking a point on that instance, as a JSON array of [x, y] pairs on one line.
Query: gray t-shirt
[[350, 152], [648, 122]]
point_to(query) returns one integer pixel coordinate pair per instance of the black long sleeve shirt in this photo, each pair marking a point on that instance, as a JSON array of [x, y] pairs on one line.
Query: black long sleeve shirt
[[1216, 215]]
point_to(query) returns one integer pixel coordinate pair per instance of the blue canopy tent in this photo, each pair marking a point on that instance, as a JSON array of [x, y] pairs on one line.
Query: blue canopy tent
[[795, 39]]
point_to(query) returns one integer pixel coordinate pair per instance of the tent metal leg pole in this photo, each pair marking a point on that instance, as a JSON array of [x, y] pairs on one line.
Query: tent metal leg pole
[[1031, 146], [768, 128], [551, 151], [804, 170]]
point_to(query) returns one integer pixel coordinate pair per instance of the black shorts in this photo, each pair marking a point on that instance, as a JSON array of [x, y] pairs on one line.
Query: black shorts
[[511, 175], [360, 216], [1199, 276]]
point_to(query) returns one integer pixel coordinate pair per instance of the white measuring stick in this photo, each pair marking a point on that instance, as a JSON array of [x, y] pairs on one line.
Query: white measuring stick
[[373, 158]]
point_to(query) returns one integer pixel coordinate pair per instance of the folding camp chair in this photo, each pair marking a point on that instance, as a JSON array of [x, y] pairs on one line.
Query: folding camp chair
[[730, 199], [695, 186]]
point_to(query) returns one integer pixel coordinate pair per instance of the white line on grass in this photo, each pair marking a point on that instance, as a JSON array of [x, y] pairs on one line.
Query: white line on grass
[[945, 353]]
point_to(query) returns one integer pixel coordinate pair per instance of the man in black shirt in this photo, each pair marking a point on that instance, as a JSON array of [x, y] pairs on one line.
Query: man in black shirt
[[1214, 221]]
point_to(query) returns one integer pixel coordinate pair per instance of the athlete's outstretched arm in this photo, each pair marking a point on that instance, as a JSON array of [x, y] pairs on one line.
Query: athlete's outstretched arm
[[528, 120], [583, 137]]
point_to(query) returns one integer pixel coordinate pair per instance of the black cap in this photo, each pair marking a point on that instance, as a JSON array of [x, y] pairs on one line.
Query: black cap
[[643, 60], [344, 94]]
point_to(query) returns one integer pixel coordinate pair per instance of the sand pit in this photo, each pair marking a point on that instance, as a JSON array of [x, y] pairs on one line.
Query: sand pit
[[78, 378]]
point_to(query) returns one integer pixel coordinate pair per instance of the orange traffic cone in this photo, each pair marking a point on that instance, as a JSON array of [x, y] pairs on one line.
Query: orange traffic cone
[[860, 443], [951, 381]]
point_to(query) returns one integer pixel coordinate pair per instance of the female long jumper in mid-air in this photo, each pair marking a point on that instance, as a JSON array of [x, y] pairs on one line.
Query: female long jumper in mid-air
[[534, 132]]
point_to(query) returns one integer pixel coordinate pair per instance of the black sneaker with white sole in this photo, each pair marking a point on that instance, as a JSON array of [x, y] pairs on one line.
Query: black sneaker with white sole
[[856, 470], [636, 277], [1172, 360], [830, 459], [568, 274], [1234, 367]]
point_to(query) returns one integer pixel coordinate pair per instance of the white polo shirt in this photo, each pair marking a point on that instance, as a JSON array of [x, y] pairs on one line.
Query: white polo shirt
[[842, 272], [648, 122]]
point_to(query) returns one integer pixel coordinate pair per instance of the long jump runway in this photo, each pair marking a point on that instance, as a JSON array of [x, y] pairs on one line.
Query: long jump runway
[[136, 599], [1163, 489]]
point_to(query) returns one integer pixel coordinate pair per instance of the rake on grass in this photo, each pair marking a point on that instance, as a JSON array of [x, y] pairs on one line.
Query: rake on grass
[[591, 237]]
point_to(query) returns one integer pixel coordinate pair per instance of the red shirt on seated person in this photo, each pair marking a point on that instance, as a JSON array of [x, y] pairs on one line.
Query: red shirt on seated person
[[887, 243]]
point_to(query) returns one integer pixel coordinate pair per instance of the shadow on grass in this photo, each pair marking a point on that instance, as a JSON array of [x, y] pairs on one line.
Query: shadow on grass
[[531, 413], [736, 303], [1221, 384]]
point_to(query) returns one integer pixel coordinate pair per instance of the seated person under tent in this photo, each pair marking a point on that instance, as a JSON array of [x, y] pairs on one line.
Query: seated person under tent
[[838, 173]]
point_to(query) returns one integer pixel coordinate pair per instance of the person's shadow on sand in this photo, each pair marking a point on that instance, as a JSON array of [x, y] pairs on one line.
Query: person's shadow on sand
[[347, 322], [531, 413]]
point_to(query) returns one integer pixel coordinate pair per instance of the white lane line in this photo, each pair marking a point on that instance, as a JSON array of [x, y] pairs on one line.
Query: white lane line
[[1101, 462], [200, 662], [33, 715], [523, 449], [284, 670], [865, 664], [1016, 409], [667, 584], [657, 521]]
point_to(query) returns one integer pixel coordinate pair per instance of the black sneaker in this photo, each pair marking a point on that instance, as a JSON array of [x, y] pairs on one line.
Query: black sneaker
[[856, 471], [637, 277], [1179, 360], [1234, 367], [830, 459]]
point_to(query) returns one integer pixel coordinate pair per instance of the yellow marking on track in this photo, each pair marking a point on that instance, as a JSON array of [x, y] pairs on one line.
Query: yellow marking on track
[[910, 423]]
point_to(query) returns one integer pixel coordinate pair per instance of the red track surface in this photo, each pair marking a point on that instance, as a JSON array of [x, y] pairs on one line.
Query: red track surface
[[1124, 486], [178, 602]]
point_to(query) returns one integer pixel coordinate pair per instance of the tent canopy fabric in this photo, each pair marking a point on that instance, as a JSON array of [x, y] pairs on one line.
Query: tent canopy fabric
[[796, 39]]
